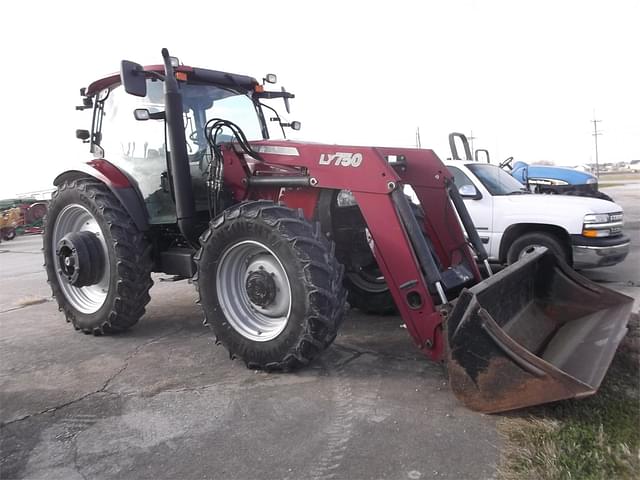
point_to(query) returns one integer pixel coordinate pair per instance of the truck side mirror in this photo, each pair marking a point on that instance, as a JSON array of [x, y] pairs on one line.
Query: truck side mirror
[[133, 78], [469, 191]]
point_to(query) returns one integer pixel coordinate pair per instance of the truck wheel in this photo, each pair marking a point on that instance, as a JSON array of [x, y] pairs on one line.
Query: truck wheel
[[269, 285], [524, 244], [98, 263]]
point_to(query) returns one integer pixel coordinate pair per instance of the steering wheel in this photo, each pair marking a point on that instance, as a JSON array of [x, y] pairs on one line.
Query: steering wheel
[[507, 163]]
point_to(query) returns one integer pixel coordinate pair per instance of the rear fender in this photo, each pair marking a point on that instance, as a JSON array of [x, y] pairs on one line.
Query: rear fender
[[122, 185]]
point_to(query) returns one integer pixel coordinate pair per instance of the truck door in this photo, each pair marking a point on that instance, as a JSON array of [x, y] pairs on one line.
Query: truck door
[[479, 203]]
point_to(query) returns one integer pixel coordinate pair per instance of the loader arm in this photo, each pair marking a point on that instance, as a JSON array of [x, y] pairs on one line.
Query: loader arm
[[413, 270], [534, 333]]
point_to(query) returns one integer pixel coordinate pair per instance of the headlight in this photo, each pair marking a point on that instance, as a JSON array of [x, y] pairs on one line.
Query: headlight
[[591, 181], [346, 199], [598, 225], [596, 218]]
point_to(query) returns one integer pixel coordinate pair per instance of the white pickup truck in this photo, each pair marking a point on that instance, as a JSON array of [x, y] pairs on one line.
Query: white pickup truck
[[586, 232]]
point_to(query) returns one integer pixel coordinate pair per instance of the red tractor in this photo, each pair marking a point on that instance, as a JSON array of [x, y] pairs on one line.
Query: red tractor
[[276, 234]]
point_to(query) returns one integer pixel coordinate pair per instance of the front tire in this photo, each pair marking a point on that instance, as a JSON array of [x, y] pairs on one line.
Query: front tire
[[527, 242], [269, 285], [98, 263]]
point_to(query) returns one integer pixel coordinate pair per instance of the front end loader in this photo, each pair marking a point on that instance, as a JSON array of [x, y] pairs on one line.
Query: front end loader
[[275, 234]]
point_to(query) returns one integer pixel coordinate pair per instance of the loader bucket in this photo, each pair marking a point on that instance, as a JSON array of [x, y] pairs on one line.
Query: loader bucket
[[533, 333]]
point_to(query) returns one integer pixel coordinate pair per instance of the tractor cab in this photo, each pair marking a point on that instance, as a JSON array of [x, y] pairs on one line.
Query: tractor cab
[[130, 129]]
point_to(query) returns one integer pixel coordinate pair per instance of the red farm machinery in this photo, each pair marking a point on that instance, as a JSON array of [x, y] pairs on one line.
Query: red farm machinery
[[277, 234]]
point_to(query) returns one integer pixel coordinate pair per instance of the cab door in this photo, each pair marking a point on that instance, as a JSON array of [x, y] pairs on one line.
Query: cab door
[[479, 203]]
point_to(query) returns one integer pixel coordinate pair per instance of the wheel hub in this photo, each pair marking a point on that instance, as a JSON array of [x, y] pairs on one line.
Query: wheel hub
[[253, 290], [80, 258], [261, 288]]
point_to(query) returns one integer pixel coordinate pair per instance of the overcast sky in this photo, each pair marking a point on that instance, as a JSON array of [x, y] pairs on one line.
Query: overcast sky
[[524, 77]]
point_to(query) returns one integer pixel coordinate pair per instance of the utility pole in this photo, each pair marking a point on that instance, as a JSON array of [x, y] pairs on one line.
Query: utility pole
[[471, 138], [595, 134], [418, 142]]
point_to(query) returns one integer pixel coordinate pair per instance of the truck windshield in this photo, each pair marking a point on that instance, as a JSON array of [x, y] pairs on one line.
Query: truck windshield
[[496, 180]]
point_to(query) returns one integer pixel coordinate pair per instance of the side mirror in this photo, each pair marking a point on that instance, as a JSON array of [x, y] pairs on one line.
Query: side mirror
[[83, 135], [469, 191], [270, 78], [295, 125], [142, 114], [133, 78]]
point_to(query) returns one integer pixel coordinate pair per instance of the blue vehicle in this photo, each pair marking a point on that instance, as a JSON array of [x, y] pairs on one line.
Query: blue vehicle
[[538, 178], [558, 180]]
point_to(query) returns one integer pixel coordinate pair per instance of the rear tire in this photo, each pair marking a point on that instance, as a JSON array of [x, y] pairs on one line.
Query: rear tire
[[9, 234], [528, 241], [269, 285], [368, 290], [371, 296], [117, 301]]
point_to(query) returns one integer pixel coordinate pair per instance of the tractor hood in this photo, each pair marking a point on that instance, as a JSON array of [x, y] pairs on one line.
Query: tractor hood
[[563, 174]]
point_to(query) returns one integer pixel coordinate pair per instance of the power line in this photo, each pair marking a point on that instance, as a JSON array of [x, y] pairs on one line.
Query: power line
[[595, 135]]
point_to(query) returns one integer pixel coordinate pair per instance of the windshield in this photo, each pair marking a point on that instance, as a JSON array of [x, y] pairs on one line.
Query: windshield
[[205, 102], [138, 147], [496, 180]]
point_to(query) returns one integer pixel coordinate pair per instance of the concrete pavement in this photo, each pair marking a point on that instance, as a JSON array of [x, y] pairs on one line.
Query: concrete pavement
[[162, 401]]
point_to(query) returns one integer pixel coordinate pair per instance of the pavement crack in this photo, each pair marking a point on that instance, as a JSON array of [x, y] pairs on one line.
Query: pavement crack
[[358, 352], [102, 389], [30, 303], [76, 463]]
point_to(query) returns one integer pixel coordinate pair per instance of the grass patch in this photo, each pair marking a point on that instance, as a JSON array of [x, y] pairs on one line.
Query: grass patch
[[618, 176], [594, 438], [610, 184]]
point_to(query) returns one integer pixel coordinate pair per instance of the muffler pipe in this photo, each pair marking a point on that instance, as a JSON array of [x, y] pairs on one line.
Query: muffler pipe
[[180, 174]]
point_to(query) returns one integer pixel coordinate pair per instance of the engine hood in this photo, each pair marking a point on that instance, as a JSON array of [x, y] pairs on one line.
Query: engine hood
[[558, 203], [565, 211]]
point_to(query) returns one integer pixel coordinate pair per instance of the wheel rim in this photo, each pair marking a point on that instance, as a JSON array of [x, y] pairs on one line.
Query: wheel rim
[[529, 249], [369, 279], [76, 218], [253, 291]]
